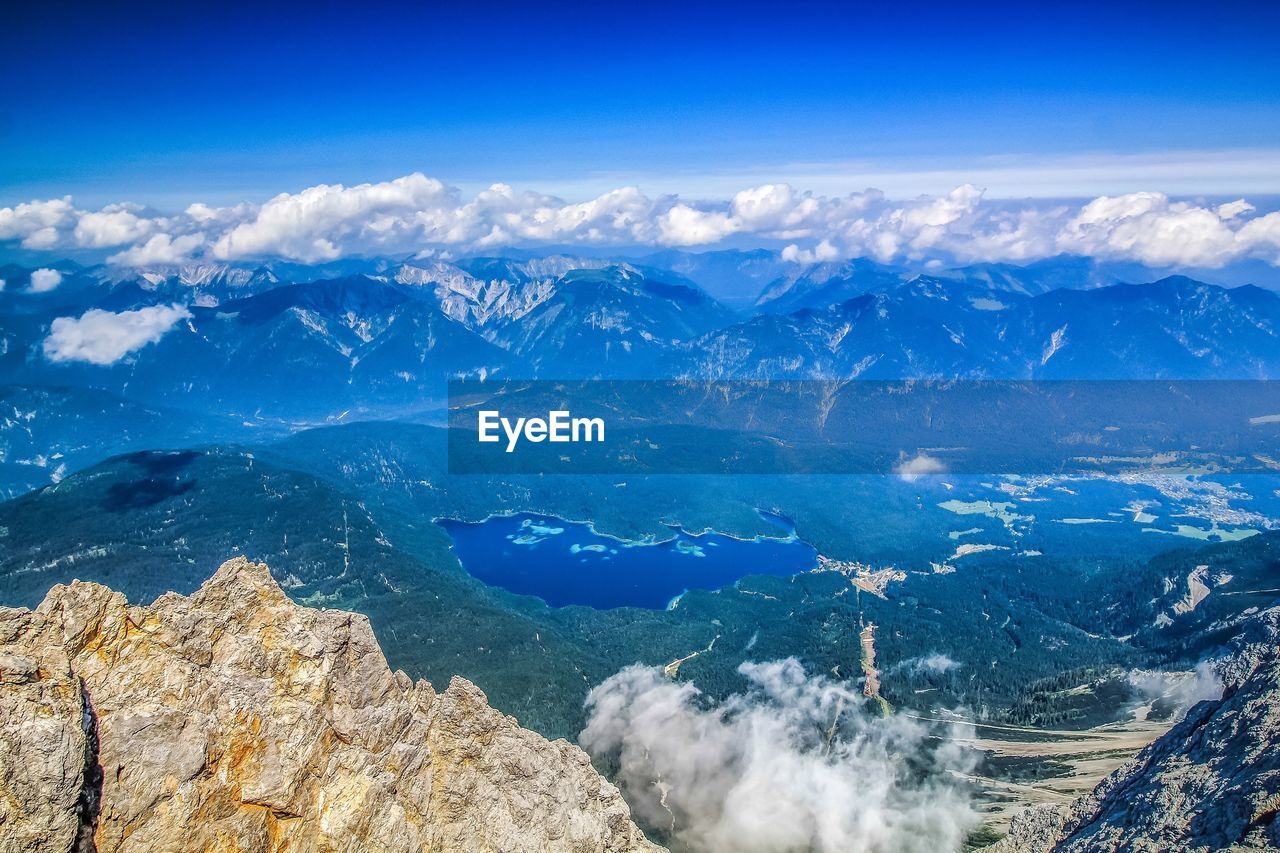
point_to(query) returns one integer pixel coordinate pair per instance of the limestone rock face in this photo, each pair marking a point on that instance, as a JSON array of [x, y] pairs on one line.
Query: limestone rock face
[[1212, 782], [43, 750], [234, 719]]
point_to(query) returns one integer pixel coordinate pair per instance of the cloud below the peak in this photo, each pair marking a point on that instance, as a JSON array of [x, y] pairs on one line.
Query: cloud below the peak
[[792, 763], [105, 337], [45, 280], [415, 212]]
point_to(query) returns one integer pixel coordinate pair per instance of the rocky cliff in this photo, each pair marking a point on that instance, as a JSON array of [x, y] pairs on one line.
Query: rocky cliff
[[1211, 783], [235, 720]]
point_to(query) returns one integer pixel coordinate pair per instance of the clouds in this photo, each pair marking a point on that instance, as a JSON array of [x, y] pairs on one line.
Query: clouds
[[934, 663], [45, 280], [325, 222], [160, 250], [37, 224], [114, 225], [1179, 691], [1148, 227], [417, 213], [683, 225], [920, 465], [102, 337], [824, 251], [792, 764]]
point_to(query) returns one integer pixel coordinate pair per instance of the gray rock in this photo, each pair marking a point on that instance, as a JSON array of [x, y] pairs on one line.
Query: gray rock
[[237, 720], [42, 750], [1211, 783]]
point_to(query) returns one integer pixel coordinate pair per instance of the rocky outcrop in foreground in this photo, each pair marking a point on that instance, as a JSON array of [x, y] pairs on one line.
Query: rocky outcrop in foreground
[[236, 720], [1211, 783]]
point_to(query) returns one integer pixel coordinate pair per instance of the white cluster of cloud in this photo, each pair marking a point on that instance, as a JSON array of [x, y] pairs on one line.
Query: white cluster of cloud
[[105, 337], [793, 764], [39, 224], [920, 465], [44, 280], [1148, 227], [934, 663], [415, 212], [1178, 691]]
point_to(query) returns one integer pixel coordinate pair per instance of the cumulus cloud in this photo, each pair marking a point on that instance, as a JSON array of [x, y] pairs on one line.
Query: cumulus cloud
[[37, 223], [820, 253], [920, 465], [1148, 227], [44, 280], [1232, 209], [1262, 236], [159, 250], [683, 225], [324, 222], [104, 337], [417, 213], [114, 225], [792, 764]]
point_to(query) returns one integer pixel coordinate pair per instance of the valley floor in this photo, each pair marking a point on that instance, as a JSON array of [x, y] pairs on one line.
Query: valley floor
[[1056, 766]]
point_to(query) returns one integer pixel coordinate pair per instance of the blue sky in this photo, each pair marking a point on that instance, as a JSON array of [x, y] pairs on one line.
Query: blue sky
[[224, 103]]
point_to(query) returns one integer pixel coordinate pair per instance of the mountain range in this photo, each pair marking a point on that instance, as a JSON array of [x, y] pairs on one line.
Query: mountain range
[[284, 343], [154, 422], [246, 353]]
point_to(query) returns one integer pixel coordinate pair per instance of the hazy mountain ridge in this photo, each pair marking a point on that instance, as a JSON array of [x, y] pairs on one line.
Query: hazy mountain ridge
[[824, 284], [564, 317], [937, 328], [48, 432], [382, 344]]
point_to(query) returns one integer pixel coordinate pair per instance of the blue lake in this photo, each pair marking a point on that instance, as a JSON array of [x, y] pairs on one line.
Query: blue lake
[[565, 562]]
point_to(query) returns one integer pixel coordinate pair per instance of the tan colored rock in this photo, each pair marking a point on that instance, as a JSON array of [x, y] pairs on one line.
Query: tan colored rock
[[237, 720], [42, 750]]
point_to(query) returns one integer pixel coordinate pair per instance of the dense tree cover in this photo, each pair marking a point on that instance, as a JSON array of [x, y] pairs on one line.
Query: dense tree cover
[[347, 523]]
